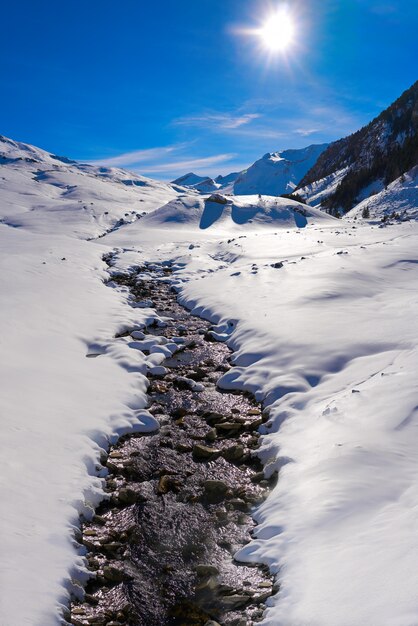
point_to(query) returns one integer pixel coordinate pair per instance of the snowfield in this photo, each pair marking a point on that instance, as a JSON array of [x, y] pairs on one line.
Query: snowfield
[[321, 315]]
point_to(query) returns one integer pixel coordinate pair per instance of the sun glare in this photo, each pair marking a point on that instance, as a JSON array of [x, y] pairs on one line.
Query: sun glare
[[278, 31]]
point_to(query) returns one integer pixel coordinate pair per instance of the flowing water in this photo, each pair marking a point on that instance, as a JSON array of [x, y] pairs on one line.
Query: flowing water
[[161, 547]]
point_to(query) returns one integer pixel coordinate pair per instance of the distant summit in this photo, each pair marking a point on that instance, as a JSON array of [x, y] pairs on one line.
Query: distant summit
[[274, 174], [277, 173], [188, 180]]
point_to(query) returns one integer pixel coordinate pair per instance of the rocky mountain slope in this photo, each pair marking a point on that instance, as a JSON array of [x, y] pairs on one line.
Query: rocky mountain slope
[[364, 163]]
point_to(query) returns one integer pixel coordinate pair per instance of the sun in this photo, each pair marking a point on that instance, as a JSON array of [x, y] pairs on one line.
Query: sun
[[278, 31]]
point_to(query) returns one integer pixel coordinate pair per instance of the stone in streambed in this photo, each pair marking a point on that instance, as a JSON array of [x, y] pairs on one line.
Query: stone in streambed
[[204, 453], [233, 453], [205, 570], [212, 418], [114, 574], [229, 427], [235, 601], [211, 435], [215, 491]]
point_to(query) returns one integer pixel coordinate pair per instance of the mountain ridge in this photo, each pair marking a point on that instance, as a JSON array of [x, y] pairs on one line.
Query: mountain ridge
[[379, 152]]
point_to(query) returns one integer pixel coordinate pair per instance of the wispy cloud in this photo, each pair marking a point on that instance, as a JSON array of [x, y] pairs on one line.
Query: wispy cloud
[[188, 164], [306, 132], [214, 119], [169, 161], [129, 159]]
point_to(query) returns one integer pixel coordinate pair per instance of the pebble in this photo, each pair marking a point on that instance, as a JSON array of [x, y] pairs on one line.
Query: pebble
[[234, 452], [206, 570], [211, 435], [229, 426], [215, 490], [202, 452]]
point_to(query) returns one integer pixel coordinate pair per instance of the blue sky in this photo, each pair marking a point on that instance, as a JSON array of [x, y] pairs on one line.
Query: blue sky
[[170, 86]]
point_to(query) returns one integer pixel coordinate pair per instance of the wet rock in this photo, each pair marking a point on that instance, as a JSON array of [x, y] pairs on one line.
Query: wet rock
[[168, 483], [215, 491], [127, 495], [198, 374], [233, 453], [258, 477], [205, 570], [187, 383], [112, 547], [212, 418], [211, 435], [204, 453], [114, 574], [239, 504], [178, 412], [235, 601], [183, 447], [224, 427]]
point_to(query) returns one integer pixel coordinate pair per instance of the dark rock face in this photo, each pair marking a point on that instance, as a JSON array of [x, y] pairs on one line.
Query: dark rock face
[[384, 149], [162, 548]]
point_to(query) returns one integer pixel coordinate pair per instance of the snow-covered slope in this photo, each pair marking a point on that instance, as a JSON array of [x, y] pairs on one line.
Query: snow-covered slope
[[47, 193], [216, 214], [189, 179], [323, 324], [277, 173], [399, 200], [225, 181], [274, 174]]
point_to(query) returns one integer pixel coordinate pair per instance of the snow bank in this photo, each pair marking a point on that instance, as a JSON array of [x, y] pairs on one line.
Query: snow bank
[[59, 409], [329, 342], [218, 214]]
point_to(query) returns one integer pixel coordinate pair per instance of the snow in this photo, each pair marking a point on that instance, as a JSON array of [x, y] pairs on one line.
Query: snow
[[274, 174], [277, 173], [58, 409], [317, 192], [188, 180], [400, 197], [188, 216], [328, 342], [321, 315], [42, 193]]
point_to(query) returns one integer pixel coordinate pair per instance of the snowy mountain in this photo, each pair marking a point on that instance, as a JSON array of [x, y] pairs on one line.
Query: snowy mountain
[[188, 180], [66, 196], [202, 184], [274, 174], [364, 163], [277, 173], [224, 181]]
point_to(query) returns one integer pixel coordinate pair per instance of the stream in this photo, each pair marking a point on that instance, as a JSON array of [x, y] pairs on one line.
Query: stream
[[161, 545]]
